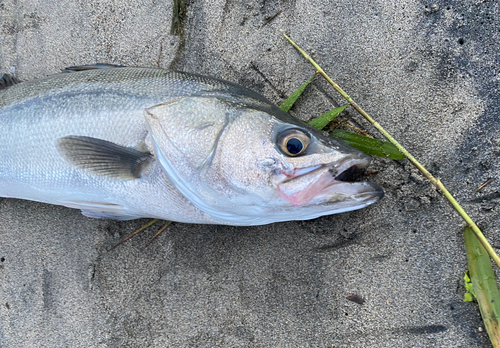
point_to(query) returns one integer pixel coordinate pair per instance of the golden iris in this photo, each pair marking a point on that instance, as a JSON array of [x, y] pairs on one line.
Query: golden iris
[[293, 142]]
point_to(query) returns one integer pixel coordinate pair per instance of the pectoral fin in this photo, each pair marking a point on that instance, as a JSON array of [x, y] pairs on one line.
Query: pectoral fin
[[102, 157]]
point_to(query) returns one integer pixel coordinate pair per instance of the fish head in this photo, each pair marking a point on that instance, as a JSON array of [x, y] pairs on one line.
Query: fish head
[[254, 165]]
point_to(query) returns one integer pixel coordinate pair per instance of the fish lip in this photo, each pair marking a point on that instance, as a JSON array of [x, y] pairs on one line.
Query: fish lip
[[361, 194], [342, 167], [367, 193]]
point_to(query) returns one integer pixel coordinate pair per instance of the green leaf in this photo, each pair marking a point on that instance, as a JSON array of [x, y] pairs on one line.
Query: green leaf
[[485, 285], [469, 288], [287, 104], [466, 278], [468, 297], [321, 121], [370, 146]]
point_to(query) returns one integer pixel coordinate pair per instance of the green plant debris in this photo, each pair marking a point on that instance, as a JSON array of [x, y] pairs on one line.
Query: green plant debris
[[469, 288], [370, 146], [323, 120], [287, 104], [179, 10], [485, 285]]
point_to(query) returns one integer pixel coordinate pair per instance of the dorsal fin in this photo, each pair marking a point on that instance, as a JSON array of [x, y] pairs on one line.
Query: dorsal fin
[[90, 67], [7, 80]]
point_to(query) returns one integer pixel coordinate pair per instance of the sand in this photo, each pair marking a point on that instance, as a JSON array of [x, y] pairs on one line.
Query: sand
[[427, 71]]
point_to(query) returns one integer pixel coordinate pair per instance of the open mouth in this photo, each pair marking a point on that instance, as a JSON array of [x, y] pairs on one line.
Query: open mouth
[[329, 183], [353, 173]]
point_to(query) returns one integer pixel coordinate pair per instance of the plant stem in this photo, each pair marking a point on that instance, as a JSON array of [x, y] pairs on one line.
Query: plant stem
[[436, 182]]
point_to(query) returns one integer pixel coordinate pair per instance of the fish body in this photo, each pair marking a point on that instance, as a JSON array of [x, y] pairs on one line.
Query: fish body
[[128, 143]]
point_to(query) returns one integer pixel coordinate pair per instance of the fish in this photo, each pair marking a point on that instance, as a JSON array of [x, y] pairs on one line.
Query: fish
[[132, 142]]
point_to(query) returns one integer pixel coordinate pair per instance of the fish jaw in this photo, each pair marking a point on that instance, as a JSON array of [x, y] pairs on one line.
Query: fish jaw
[[318, 186]]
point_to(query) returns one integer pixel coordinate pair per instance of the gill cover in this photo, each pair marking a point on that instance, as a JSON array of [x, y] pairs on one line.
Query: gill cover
[[184, 134]]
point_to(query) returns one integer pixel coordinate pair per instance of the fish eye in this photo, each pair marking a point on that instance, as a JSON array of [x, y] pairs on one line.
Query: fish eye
[[293, 142]]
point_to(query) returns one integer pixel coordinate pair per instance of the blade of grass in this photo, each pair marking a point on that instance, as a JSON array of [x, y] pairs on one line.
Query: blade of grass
[[436, 182], [363, 143], [320, 122], [287, 104], [370, 146], [485, 285]]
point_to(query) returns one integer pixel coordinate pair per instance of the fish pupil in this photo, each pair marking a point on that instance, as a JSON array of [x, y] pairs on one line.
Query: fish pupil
[[294, 146]]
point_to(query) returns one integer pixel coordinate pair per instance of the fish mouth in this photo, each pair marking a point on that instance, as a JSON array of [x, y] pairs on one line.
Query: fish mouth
[[330, 184]]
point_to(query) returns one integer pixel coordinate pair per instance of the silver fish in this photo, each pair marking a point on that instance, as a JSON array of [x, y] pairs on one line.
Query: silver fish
[[127, 143]]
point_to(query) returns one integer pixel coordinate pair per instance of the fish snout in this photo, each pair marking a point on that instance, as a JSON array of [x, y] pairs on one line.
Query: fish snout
[[328, 182]]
